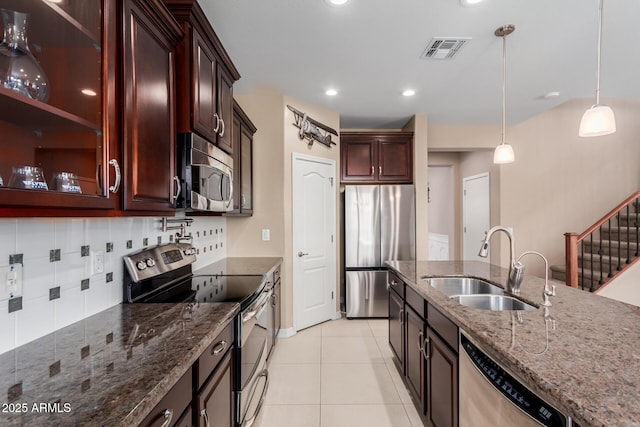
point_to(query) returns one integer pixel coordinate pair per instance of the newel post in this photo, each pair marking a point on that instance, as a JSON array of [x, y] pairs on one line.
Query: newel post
[[571, 262]]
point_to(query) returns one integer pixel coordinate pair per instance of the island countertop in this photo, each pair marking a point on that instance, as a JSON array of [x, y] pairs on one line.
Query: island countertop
[[588, 366], [109, 369]]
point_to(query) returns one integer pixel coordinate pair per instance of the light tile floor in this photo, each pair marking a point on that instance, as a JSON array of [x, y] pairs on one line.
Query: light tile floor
[[336, 374]]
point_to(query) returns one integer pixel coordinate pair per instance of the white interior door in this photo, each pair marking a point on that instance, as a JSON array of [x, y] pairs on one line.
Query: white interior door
[[314, 240], [476, 214]]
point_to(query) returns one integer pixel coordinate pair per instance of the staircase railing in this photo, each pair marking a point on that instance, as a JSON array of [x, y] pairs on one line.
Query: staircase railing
[[574, 246]]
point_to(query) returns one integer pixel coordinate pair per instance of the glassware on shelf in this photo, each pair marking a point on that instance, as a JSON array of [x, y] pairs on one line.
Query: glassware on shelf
[[66, 182], [19, 69], [28, 177]]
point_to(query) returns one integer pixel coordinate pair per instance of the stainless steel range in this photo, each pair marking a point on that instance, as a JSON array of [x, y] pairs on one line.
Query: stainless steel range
[[164, 274]]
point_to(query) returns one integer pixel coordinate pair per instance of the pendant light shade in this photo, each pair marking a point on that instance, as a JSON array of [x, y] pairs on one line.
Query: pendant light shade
[[504, 152], [599, 119]]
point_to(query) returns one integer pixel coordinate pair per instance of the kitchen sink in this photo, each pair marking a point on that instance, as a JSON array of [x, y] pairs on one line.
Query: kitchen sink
[[492, 302], [451, 286]]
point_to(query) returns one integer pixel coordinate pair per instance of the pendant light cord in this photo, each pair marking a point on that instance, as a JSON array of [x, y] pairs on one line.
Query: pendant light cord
[[504, 86], [598, 53]]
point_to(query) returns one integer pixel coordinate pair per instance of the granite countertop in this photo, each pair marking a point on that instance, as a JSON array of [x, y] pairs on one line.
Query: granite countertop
[[108, 369], [588, 366]]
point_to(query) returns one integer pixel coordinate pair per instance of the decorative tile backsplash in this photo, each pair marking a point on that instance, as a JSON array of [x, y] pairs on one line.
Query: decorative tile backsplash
[[72, 267]]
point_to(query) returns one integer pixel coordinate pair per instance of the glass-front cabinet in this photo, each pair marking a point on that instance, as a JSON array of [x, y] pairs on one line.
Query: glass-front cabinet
[[58, 118]]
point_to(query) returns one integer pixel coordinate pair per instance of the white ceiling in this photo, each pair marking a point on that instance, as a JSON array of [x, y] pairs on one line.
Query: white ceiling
[[369, 50]]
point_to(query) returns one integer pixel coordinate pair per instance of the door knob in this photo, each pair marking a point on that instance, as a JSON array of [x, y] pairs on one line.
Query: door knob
[[301, 254]]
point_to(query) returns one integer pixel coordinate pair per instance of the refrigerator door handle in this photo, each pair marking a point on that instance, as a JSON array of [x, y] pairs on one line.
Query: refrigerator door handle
[[367, 290]]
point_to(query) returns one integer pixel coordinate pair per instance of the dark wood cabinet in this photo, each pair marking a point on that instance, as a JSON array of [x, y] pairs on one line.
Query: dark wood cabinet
[[424, 343], [205, 77], [214, 402], [75, 128], [376, 157], [442, 384], [169, 410], [414, 357], [243, 132], [149, 131]]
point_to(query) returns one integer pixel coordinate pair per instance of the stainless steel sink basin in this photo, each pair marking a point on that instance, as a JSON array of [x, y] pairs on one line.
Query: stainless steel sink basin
[[492, 302], [463, 286]]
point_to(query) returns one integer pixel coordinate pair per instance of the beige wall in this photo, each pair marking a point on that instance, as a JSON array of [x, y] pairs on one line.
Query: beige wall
[[463, 138], [625, 287], [561, 182], [418, 125], [274, 144]]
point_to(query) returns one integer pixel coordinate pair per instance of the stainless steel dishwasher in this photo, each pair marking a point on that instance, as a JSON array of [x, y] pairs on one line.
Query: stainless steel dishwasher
[[491, 397]]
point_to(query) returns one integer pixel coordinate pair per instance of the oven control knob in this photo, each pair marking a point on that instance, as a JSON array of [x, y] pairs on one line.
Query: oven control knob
[[151, 262], [141, 265], [190, 251]]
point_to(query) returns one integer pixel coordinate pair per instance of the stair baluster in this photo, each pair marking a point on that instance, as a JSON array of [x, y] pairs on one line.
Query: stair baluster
[[610, 252], [628, 239]]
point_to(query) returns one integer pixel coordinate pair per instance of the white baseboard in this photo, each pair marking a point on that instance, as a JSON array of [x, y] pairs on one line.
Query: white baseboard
[[286, 333], [337, 315]]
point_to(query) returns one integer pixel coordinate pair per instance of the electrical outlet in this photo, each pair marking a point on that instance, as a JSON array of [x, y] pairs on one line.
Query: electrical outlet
[[10, 281], [266, 234], [97, 262]]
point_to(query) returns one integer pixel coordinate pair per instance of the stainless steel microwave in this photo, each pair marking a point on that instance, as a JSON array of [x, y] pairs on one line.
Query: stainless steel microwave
[[206, 175]]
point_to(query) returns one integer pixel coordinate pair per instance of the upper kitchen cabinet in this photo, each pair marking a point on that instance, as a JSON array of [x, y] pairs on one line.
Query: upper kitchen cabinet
[[149, 125], [243, 131], [376, 157], [205, 77], [59, 122]]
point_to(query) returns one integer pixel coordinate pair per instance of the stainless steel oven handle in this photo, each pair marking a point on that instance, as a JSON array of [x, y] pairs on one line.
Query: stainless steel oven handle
[[264, 373], [256, 309]]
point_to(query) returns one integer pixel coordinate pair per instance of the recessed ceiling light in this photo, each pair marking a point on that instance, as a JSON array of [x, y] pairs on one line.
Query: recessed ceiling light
[[550, 95], [409, 92], [331, 92], [468, 3], [336, 2], [89, 92]]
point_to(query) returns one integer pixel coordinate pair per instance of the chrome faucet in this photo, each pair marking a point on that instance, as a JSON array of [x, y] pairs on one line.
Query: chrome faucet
[[548, 291], [516, 269]]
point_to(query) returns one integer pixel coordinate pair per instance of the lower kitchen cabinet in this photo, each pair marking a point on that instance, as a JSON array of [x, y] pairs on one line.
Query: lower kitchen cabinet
[[214, 402], [414, 358], [424, 343], [172, 405], [442, 387]]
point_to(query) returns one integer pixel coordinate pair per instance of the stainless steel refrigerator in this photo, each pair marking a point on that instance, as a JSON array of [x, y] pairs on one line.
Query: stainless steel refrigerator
[[379, 225]]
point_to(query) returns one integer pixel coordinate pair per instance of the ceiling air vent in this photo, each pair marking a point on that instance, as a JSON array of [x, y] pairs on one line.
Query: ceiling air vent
[[444, 47]]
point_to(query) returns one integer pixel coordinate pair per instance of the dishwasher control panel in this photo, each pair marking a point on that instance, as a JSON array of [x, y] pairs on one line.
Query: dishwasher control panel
[[512, 389]]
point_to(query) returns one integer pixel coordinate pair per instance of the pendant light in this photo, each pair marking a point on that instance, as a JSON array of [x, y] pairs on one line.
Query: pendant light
[[599, 119], [504, 151]]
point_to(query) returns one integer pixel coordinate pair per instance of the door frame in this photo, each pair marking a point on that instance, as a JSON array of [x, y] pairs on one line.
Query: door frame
[[295, 157]]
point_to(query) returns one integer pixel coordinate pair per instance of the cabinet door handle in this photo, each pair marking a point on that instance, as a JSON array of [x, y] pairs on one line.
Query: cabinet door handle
[[373, 170], [116, 184], [203, 413], [223, 127], [168, 415], [420, 336], [401, 316], [219, 348], [394, 282], [244, 201], [379, 170], [425, 349], [217, 117], [178, 189]]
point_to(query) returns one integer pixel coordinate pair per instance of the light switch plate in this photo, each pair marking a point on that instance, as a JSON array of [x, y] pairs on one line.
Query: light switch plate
[[266, 234]]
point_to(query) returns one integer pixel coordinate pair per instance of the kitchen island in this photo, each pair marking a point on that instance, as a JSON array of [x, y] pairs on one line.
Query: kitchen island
[[588, 366], [109, 369]]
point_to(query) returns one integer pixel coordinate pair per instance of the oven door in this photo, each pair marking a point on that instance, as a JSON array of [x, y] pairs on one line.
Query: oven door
[[254, 378]]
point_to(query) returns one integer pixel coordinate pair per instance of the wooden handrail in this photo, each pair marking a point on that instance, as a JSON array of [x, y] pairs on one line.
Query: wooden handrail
[[572, 240], [608, 216]]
